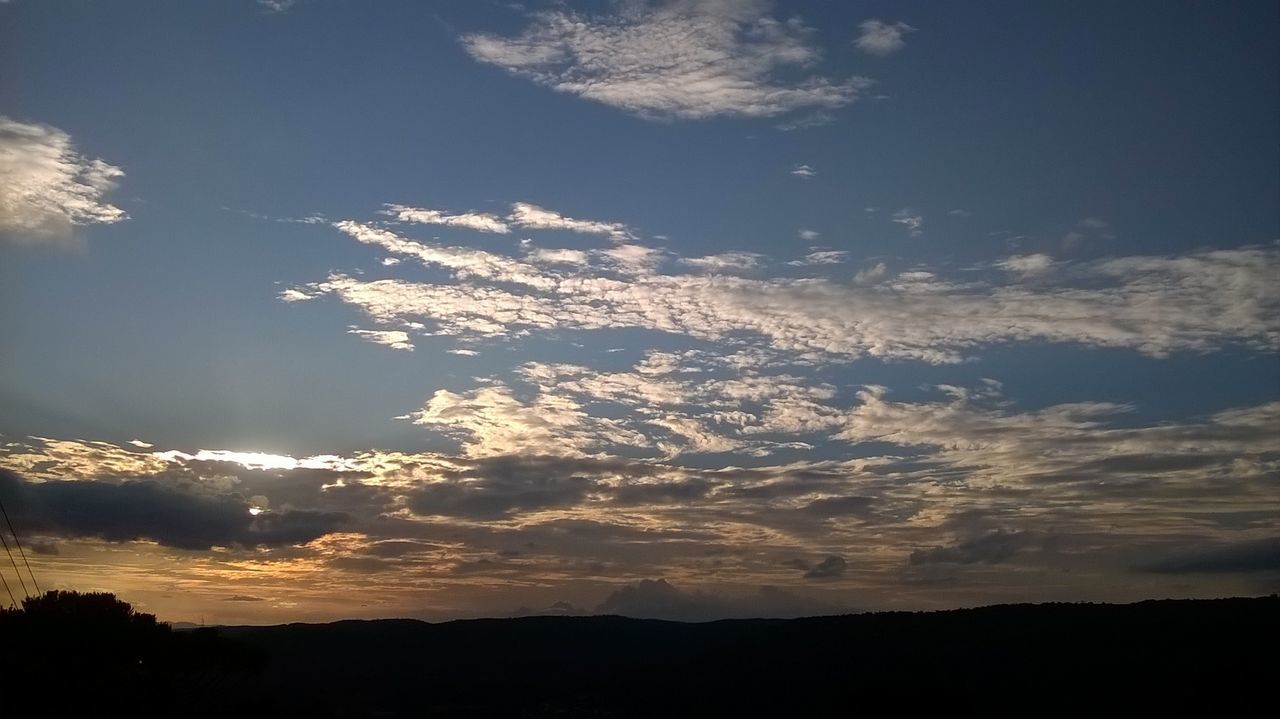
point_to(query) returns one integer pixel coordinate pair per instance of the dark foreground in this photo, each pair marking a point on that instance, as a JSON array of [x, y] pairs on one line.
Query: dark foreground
[[1215, 657]]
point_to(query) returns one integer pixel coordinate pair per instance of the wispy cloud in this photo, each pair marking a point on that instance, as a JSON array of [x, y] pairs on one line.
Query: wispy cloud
[[537, 218], [822, 257], [726, 261], [1027, 264], [911, 220], [480, 221], [277, 6], [688, 59], [47, 188], [880, 38], [804, 171]]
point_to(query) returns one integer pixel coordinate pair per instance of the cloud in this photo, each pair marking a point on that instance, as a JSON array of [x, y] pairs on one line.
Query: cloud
[[871, 274], [1223, 296], [151, 510], [537, 218], [910, 220], [494, 421], [395, 339], [809, 235], [47, 189], [965, 480], [880, 38], [726, 261], [495, 497], [277, 6], [687, 59], [523, 214], [479, 221], [998, 546], [658, 599], [1241, 557], [813, 119], [1027, 265], [558, 257], [463, 260], [1088, 230], [1071, 450], [832, 567], [824, 257], [804, 171]]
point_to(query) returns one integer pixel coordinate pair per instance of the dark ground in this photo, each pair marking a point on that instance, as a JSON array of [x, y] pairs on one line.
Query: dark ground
[[1216, 658]]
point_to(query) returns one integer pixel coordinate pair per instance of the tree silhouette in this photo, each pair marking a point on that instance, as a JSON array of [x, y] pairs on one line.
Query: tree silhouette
[[105, 652]]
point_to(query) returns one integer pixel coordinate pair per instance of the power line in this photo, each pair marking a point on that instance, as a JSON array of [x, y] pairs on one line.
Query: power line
[[12, 602], [21, 551], [15, 566]]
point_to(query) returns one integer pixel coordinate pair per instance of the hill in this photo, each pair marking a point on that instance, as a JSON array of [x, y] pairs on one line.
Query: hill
[[1217, 654], [91, 654]]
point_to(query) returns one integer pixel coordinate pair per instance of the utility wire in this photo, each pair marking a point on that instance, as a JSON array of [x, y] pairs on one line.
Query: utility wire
[[21, 551], [12, 602], [17, 571]]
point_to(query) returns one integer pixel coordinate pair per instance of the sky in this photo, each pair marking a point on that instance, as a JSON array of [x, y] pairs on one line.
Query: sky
[[320, 309]]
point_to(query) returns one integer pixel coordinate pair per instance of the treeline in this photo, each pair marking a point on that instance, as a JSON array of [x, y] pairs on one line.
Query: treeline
[[70, 652]]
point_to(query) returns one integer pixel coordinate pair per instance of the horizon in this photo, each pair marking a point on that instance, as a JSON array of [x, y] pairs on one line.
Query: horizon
[[692, 309], [182, 625]]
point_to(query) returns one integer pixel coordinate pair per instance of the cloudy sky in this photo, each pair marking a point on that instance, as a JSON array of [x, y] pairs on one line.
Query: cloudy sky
[[316, 309]]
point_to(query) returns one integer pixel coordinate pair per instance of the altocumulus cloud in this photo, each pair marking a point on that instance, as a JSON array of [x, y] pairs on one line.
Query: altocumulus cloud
[[1223, 296], [687, 59], [47, 188]]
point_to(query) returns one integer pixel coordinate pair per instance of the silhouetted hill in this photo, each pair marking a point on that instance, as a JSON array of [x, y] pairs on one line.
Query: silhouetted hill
[[71, 654], [1218, 655]]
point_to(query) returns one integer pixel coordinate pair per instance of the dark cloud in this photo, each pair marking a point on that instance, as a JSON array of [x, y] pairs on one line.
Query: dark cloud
[[830, 568], [658, 599], [171, 514], [495, 497], [243, 598], [365, 564], [992, 548], [556, 609], [663, 492], [39, 546], [501, 486], [1243, 557]]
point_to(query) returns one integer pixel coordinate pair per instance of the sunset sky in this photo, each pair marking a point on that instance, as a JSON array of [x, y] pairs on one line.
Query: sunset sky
[[318, 309]]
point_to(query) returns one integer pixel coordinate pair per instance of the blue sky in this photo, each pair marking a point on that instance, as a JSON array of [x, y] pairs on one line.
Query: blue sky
[[990, 278]]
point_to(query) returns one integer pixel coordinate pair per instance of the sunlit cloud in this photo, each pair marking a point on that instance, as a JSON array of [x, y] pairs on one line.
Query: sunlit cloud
[[47, 188], [532, 217], [395, 339], [479, 221], [690, 59], [1224, 296]]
